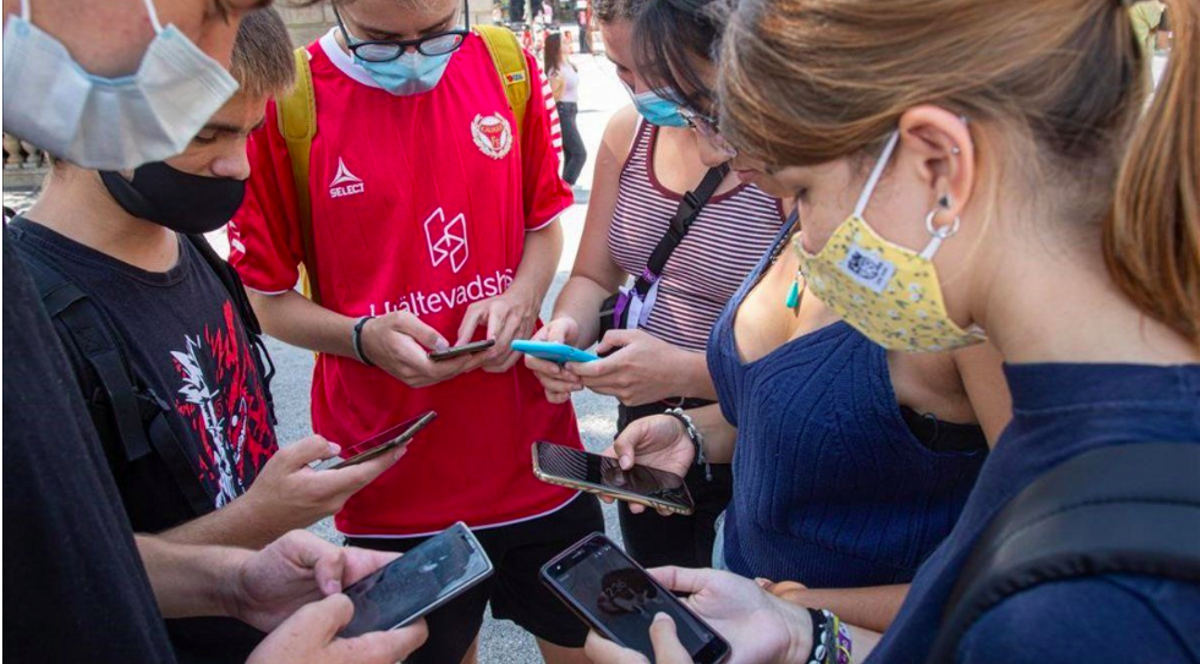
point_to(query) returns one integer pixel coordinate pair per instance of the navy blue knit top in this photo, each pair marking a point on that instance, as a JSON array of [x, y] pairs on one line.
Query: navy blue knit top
[[831, 488], [1061, 411]]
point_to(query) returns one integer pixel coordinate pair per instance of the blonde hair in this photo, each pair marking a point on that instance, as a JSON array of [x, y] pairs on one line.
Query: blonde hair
[[810, 81]]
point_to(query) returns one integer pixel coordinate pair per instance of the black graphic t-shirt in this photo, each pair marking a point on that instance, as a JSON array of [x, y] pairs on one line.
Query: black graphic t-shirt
[[183, 339]]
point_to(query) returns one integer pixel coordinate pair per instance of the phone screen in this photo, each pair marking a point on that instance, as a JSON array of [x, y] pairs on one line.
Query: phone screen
[[604, 472], [380, 443], [426, 577], [620, 599]]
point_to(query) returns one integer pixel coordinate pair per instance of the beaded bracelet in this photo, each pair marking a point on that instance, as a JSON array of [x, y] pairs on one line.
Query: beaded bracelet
[[695, 436]]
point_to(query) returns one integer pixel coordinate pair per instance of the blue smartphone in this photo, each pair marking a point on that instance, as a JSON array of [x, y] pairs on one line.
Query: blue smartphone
[[560, 353]]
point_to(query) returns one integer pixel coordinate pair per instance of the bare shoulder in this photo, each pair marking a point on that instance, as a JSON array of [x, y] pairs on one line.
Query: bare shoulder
[[619, 133]]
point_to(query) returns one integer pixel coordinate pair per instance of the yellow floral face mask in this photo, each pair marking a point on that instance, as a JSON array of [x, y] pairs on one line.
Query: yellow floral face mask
[[889, 293]]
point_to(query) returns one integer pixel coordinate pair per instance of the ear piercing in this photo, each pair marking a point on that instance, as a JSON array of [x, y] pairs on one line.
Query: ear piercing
[[955, 150]]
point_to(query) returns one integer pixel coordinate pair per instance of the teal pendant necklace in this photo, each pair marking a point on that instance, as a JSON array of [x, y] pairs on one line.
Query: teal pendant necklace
[[793, 296]]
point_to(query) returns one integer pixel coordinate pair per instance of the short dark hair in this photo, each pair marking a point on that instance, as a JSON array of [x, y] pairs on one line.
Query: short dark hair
[[262, 60], [695, 27]]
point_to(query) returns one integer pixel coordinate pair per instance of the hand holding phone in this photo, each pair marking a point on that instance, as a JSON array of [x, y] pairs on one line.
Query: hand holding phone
[[431, 574], [595, 473], [381, 443], [618, 599]]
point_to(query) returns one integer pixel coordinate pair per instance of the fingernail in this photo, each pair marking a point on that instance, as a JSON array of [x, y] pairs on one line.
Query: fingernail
[[334, 448], [626, 463], [332, 587], [762, 583], [441, 344], [662, 617]]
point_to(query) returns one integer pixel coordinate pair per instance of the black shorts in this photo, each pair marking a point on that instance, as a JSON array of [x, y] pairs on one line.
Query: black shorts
[[516, 593]]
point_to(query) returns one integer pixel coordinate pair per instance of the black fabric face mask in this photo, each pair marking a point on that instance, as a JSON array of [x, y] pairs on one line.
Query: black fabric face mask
[[182, 202]]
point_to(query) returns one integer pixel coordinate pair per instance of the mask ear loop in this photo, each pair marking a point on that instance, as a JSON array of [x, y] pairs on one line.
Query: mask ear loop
[[876, 173], [153, 15], [938, 234]]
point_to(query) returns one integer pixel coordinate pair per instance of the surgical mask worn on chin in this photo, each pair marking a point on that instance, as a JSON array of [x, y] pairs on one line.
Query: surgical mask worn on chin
[[185, 203], [889, 293], [656, 109], [409, 74], [109, 123]]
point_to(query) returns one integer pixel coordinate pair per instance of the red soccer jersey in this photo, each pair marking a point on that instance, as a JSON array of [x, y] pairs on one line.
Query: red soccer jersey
[[419, 203]]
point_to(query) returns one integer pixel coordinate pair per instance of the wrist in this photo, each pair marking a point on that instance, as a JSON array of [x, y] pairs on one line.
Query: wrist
[[693, 435], [799, 644], [229, 590], [358, 340]]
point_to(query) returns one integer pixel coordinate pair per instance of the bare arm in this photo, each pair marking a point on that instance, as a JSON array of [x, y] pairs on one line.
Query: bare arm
[[595, 275], [190, 580], [294, 319], [286, 495], [873, 608], [720, 437]]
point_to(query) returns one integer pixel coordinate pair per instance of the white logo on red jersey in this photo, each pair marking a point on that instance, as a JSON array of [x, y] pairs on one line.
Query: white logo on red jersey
[[492, 135], [447, 240], [344, 182]]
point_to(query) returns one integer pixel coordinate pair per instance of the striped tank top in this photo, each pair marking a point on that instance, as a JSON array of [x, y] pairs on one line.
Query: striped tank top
[[731, 233]]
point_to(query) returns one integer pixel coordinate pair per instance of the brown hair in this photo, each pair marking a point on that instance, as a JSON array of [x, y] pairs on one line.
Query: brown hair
[[552, 52], [262, 60], [806, 82]]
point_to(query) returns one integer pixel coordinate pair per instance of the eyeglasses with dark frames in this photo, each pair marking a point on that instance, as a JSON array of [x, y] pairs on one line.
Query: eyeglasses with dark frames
[[386, 50]]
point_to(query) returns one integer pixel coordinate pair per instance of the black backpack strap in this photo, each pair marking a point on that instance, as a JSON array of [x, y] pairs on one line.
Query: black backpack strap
[[65, 302], [241, 303], [1132, 509], [685, 214], [139, 414]]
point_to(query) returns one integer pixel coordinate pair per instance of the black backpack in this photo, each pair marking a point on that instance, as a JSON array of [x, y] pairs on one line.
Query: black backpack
[[139, 415], [1132, 509]]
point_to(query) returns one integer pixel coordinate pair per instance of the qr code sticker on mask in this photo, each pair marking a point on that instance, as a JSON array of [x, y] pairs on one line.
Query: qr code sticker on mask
[[867, 268]]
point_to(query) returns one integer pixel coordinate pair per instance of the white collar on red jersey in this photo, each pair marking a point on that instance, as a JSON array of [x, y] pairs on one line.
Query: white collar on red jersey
[[343, 61]]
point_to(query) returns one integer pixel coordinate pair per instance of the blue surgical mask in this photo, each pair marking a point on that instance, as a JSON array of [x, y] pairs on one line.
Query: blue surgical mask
[[657, 109], [409, 74], [109, 123]]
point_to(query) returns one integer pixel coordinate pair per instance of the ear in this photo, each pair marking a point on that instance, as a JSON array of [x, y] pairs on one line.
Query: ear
[[938, 142]]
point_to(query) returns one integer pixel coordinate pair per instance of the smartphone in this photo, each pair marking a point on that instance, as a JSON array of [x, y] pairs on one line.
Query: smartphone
[[380, 443], [617, 598], [465, 349], [594, 473], [433, 573], [545, 350]]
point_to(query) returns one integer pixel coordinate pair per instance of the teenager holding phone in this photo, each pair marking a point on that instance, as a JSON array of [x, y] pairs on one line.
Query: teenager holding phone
[[1056, 210], [407, 259], [647, 161]]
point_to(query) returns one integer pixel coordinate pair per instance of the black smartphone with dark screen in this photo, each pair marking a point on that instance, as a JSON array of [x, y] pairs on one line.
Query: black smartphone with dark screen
[[465, 349], [431, 574], [596, 473], [617, 598]]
